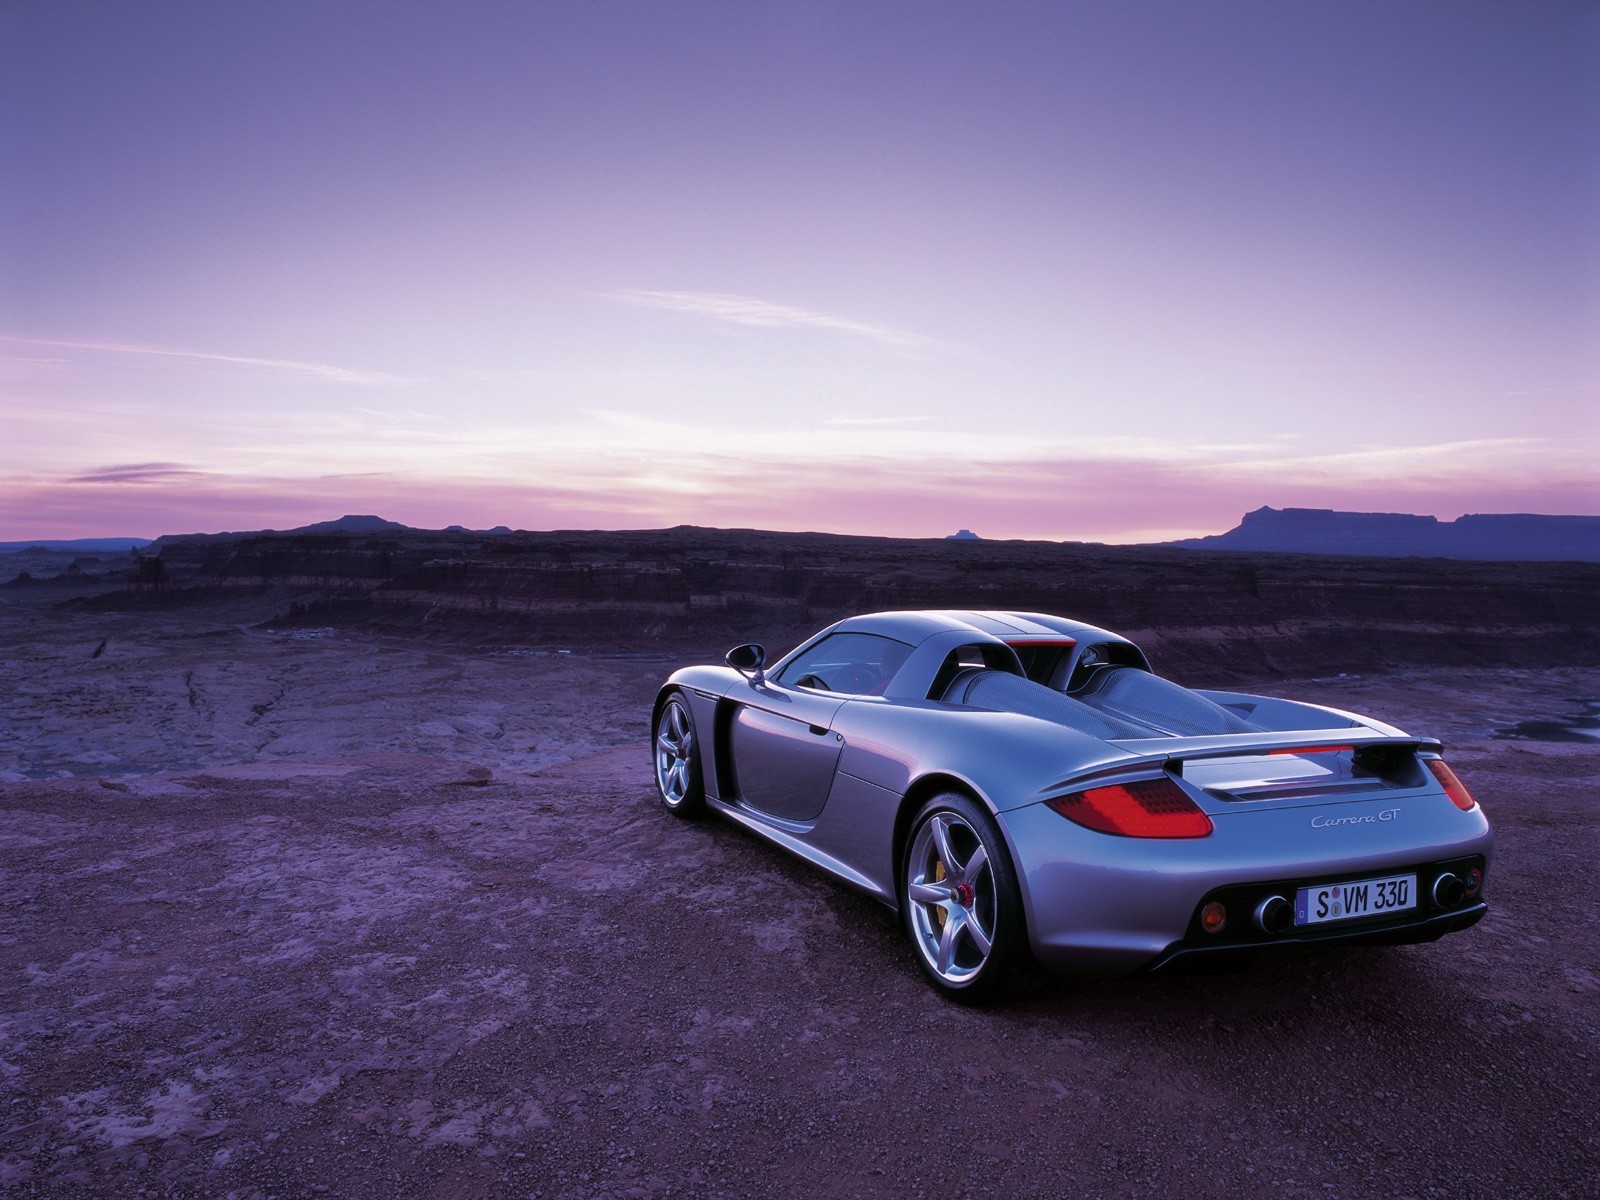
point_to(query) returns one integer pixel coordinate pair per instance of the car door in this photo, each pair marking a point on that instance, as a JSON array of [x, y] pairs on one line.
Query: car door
[[781, 738], [784, 749]]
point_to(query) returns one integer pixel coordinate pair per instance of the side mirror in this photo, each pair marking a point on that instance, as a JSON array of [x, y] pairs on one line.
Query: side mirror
[[748, 660]]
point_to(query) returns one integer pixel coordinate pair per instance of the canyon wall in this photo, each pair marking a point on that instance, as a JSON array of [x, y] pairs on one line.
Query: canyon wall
[[1201, 616]]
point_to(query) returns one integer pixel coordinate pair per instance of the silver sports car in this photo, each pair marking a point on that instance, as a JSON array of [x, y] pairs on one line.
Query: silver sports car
[[1026, 792]]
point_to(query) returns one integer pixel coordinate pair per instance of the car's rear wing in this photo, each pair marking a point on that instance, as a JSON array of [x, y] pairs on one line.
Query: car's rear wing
[[1381, 754]]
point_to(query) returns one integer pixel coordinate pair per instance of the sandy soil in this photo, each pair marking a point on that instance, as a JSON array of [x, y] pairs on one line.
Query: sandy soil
[[288, 915]]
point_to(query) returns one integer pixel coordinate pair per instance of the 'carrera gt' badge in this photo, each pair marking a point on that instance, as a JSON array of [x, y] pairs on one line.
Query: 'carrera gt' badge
[[1323, 821]]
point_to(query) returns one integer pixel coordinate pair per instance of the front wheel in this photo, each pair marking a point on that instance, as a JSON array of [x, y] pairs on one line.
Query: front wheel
[[961, 904], [677, 758]]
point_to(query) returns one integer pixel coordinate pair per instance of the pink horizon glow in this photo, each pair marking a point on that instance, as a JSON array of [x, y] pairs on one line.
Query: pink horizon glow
[[1129, 500]]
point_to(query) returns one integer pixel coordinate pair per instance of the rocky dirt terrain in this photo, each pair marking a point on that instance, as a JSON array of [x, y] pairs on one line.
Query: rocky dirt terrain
[[298, 910]]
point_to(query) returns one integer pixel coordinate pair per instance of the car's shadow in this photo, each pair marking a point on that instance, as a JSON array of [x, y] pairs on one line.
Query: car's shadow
[[1287, 985]]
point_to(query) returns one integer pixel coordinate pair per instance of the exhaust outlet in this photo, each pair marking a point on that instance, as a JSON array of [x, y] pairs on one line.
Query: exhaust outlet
[[1449, 890], [1273, 915]]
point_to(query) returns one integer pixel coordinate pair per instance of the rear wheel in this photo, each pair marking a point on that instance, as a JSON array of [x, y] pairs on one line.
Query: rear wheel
[[961, 904], [677, 758]]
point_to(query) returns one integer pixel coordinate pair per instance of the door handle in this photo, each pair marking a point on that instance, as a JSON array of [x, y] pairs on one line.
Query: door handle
[[819, 730]]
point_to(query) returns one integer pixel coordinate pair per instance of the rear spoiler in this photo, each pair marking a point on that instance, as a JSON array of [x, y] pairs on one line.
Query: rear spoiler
[[1380, 753]]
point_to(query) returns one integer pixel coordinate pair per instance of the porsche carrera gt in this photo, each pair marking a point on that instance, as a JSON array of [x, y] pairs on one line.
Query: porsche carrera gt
[[1027, 793]]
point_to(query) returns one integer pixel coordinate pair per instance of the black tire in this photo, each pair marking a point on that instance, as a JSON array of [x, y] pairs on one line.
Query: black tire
[[675, 751], [985, 957]]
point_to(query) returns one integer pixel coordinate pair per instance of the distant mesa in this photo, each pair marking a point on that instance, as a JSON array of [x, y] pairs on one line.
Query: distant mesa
[[352, 524], [1504, 537], [1511, 537], [349, 523], [75, 545], [372, 524]]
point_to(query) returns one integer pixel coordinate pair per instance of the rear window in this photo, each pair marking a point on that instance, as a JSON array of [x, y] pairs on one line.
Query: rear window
[[1041, 660]]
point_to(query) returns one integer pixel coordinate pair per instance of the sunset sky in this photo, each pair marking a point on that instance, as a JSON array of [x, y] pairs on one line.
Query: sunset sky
[[1111, 271]]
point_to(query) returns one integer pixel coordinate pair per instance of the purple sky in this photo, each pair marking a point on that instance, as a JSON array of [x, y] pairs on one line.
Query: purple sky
[[1092, 270]]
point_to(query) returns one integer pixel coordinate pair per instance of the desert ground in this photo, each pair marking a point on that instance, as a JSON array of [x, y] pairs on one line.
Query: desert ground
[[308, 911]]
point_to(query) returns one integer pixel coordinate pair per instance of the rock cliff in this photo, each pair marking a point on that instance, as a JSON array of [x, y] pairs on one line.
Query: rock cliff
[[1201, 616]]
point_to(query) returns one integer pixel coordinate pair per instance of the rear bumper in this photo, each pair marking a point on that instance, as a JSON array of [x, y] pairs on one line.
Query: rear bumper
[[1195, 953], [1105, 906]]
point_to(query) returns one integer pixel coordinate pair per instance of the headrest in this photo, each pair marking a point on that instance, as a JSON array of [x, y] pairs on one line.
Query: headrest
[[956, 693]]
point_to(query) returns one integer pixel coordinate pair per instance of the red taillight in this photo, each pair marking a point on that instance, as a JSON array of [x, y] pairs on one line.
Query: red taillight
[[1150, 808], [1453, 787]]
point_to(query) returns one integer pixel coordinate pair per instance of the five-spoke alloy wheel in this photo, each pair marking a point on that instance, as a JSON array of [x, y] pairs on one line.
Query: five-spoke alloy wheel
[[677, 758], [962, 908]]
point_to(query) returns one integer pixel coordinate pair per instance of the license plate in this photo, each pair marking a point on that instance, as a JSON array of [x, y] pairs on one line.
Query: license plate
[[1358, 898]]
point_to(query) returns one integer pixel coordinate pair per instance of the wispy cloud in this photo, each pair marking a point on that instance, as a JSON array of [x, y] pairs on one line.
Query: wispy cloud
[[917, 440], [865, 421], [153, 472], [764, 314], [1397, 462], [31, 360], [319, 370]]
